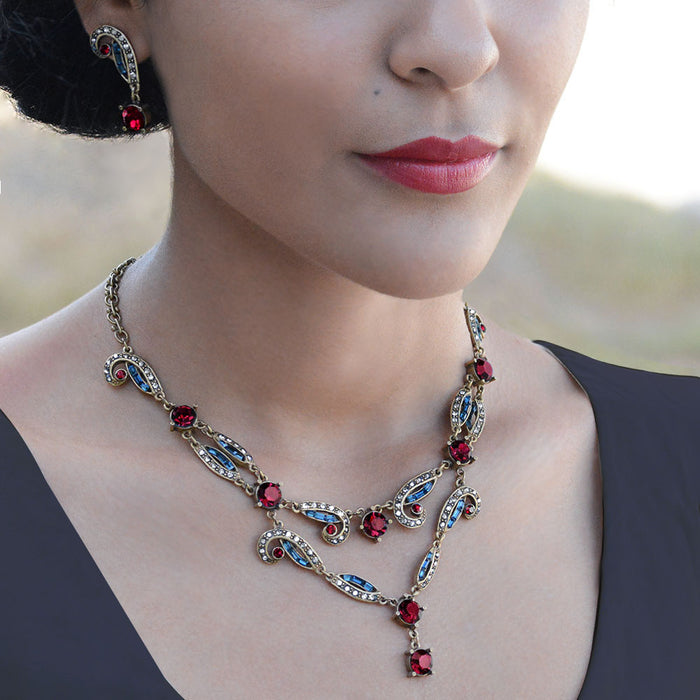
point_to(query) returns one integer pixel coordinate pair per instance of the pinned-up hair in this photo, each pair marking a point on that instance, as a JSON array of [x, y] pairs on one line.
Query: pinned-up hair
[[52, 76]]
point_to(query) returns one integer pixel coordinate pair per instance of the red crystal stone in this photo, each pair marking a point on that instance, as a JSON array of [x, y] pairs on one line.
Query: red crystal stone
[[409, 611], [331, 529], [483, 369], [105, 49], [421, 662], [269, 495], [416, 509], [278, 552], [133, 117], [460, 451], [120, 374], [469, 508], [183, 417], [374, 524]]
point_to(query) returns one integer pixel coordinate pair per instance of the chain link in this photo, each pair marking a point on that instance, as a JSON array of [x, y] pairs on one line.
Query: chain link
[[112, 301], [272, 514], [115, 320], [383, 600], [361, 512]]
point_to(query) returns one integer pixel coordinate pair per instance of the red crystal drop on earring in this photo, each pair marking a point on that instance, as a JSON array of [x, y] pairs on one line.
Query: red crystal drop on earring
[[134, 118]]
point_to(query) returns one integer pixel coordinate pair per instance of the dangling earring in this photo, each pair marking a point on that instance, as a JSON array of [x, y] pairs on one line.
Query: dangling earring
[[108, 42]]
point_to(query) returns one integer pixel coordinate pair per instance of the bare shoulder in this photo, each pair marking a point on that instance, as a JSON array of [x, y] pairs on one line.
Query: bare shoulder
[[538, 386], [42, 368]]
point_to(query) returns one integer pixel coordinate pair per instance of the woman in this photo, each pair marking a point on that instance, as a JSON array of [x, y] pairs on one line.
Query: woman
[[305, 300]]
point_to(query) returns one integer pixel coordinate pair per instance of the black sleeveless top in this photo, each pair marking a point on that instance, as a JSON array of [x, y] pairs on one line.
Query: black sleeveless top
[[64, 634]]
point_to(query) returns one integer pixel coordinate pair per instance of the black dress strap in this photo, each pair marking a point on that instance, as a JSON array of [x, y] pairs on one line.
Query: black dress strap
[[647, 637], [64, 633]]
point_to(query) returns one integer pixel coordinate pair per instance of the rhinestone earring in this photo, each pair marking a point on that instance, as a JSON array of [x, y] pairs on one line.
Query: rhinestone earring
[[108, 42]]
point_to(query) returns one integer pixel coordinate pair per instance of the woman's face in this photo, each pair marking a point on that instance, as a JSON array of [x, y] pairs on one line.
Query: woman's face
[[271, 101]]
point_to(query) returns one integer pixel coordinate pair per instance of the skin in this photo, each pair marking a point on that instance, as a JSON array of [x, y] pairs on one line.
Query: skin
[[276, 226], [293, 292]]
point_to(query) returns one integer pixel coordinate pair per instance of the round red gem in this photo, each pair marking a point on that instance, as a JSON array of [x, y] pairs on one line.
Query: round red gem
[[460, 451], [269, 495], [483, 328], [331, 529], [278, 552], [105, 49], [483, 369], [374, 524], [183, 417], [469, 508], [133, 117], [409, 611], [120, 374], [421, 662], [416, 509]]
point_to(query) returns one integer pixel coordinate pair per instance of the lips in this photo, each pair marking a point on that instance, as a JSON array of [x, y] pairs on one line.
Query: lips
[[436, 165]]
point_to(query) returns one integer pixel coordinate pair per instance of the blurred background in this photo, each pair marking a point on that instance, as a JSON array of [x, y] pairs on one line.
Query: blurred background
[[602, 254]]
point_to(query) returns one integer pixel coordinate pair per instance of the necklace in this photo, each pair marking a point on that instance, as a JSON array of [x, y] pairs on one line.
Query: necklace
[[229, 460]]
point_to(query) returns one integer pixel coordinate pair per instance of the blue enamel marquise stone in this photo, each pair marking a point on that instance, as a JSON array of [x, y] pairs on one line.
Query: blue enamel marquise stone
[[421, 492], [139, 379], [294, 554], [231, 450], [425, 567], [119, 59], [468, 412], [459, 509], [323, 517], [221, 458], [358, 582]]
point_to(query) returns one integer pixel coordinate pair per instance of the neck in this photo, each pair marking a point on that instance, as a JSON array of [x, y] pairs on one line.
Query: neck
[[268, 343]]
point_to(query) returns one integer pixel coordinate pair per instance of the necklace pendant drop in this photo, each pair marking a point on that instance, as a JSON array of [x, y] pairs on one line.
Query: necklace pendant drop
[[229, 460]]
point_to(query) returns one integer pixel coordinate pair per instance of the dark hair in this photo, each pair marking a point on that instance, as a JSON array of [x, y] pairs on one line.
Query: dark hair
[[52, 75]]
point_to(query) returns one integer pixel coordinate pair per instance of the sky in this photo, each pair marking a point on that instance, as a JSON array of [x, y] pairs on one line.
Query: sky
[[629, 120]]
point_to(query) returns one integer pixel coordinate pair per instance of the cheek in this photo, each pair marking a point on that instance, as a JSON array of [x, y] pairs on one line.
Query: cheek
[[259, 86], [539, 45], [263, 97], [267, 98]]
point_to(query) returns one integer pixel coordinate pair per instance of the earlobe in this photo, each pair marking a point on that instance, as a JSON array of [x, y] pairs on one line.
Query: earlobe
[[129, 16]]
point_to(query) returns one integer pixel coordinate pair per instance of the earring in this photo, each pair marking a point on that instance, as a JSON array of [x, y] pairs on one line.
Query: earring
[[108, 42]]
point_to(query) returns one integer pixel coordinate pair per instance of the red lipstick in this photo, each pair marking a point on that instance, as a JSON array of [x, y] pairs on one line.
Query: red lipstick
[[436, 165]]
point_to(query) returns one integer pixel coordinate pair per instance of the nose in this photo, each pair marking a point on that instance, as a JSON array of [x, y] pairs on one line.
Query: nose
[[443, 42]]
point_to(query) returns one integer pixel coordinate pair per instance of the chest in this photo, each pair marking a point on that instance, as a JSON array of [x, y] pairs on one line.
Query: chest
[[510, 614]]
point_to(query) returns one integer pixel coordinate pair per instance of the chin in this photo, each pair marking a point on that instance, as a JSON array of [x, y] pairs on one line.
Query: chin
[[413, 272]]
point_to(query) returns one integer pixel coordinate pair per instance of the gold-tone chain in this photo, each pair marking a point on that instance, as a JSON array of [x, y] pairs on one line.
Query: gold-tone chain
[[233, 474], [112, 300]]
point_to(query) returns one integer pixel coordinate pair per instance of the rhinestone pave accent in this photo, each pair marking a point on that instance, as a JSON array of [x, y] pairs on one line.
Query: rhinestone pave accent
[[230, 460]]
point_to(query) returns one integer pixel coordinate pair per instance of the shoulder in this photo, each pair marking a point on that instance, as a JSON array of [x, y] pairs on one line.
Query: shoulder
[[617, 385], [38, 369], [645, 420]]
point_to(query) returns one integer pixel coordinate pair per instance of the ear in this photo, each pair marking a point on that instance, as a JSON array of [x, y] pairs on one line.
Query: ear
[[129, 16]]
